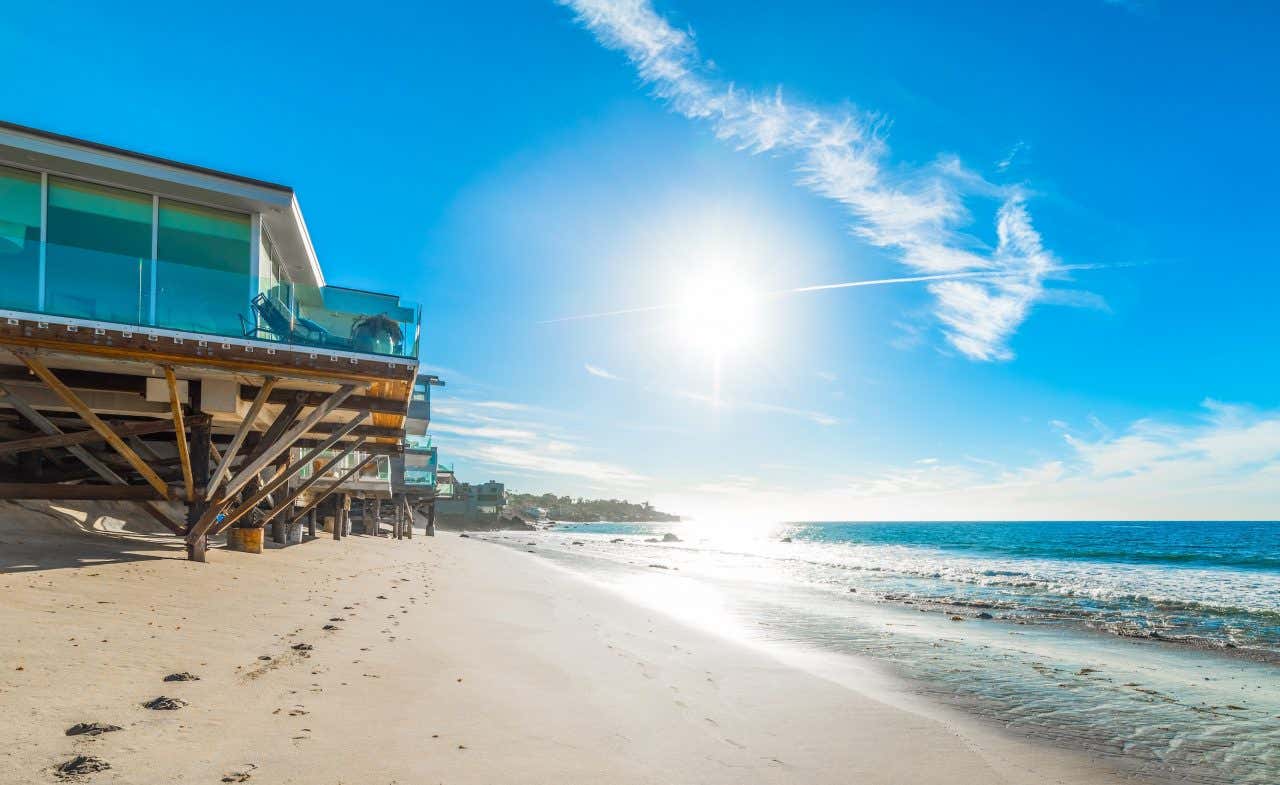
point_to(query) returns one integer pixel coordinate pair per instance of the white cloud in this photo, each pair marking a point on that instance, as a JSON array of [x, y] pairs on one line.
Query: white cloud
[[1004, 163], [500, 438], [595, 370], [843, 157], [535, 461], [1223, 465], [504, 406], [482, 432], [819, 418]]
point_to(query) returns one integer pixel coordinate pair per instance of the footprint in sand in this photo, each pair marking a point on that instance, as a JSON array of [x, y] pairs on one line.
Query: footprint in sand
[[79, 766], [239, 776], [91, 729]]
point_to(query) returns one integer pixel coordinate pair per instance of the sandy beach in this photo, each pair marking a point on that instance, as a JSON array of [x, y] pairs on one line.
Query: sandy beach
[[450, 660]]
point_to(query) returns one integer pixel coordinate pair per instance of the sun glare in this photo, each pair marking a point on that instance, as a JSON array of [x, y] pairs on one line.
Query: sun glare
[[719, 315]]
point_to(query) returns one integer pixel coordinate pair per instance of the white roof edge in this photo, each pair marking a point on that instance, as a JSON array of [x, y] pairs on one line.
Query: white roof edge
[[141, 165], [312, 260]]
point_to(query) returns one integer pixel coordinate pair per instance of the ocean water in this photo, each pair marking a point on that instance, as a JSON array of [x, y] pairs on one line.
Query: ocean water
[[1153, 645]]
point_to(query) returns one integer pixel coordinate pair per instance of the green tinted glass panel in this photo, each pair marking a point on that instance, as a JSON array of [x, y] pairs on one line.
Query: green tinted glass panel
[[19, 238], [98, 254], [202, 280]]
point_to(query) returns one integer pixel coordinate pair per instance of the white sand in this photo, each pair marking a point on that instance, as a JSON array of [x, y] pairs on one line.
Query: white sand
[[481, 665]]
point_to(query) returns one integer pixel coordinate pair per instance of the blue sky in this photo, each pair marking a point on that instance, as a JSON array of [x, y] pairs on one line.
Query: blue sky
[[1108, 169]]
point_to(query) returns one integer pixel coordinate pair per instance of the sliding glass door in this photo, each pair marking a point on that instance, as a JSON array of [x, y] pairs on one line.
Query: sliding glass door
[[202, 279], [98, 252], [19, 239]]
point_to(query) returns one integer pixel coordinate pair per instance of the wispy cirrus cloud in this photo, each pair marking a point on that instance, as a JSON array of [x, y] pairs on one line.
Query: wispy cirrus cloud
[[483, 432], [818, 418], [844, 157], [523, 443], [1225, 462], [599, 372], [547, 463]]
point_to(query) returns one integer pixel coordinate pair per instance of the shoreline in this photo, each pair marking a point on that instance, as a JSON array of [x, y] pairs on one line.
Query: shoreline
[[455, 661]]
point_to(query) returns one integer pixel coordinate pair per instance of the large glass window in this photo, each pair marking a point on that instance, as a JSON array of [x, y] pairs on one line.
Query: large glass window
[[274, 278], [202, 279], [19, 239], [98, 255]]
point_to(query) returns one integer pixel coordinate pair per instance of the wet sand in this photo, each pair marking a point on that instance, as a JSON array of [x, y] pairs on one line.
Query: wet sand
[[449, 660]]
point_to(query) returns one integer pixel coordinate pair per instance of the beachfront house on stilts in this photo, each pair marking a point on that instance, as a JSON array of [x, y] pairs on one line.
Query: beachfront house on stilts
[[167, 338], [414, 473]]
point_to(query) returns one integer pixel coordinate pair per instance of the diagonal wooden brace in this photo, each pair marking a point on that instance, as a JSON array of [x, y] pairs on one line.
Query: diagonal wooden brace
[[329, 490], [283, 475], [312, 480], [180, 428], [286, 441], [82, 409], [224, 465]]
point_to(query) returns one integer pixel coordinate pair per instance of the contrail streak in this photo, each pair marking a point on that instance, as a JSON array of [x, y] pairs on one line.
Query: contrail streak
[[784, 292], [910, 279]]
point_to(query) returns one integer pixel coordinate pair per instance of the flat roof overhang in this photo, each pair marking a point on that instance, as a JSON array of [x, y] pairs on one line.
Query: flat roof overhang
[[32, 148]]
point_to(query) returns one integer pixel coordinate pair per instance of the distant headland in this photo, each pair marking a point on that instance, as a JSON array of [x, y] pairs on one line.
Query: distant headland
[[580, 510]]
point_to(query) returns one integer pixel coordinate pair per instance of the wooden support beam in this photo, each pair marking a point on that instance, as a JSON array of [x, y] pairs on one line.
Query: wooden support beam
[[369, 446], [97, 466], [153, 509], [40, 421], [88, 436], [278, 479], [264, 392], [145, 449], [315, 477], [77, 492], [329, 491], [180, 431], [297, 363], [285, 418], [200, 437], [353, 403], [371, 431], [82, 409], [288, 438]]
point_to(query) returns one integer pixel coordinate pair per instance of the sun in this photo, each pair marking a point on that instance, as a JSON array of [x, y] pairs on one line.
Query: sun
[[718, 313]]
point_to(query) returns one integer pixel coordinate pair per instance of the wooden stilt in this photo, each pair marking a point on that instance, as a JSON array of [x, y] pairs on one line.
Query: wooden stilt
[[311, 524], [196, 549], [200, 458]]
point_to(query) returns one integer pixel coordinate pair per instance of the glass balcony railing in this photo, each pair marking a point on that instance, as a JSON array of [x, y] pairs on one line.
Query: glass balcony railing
[[61, 280], [419, 478]]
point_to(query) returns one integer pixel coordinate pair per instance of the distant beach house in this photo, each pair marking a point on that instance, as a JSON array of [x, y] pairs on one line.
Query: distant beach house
[[169, 326], [473, 504]]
